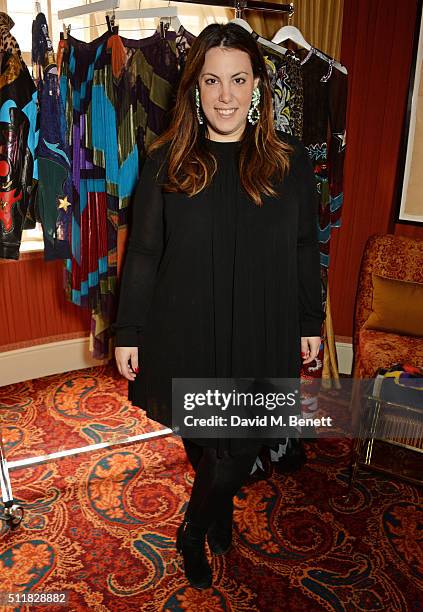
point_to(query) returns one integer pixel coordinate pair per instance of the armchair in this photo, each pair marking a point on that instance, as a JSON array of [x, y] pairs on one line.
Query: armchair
[[400, 259], [394, 257]]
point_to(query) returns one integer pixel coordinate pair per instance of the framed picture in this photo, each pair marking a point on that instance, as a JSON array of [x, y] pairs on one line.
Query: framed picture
[[410, 174]]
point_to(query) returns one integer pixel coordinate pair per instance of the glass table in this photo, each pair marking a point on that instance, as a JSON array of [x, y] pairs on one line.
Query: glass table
[[390, 439]]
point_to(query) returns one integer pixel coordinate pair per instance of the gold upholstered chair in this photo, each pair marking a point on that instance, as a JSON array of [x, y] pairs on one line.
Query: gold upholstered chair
[[388, 322], [388, 330]]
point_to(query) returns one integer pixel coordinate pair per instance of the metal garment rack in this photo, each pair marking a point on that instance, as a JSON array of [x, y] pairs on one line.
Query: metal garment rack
[[245, 5], [13, 512]]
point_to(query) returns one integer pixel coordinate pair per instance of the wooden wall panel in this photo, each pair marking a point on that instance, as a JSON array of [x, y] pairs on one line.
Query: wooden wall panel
[[410, 230], [33, 306]]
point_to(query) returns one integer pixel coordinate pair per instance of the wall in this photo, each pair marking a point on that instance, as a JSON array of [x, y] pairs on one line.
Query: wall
[[377, 42], [320, 22], [33, 305], [407, 229]]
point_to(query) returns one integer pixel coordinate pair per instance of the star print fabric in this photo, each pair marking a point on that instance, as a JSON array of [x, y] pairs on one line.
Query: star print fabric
[[54, 192]]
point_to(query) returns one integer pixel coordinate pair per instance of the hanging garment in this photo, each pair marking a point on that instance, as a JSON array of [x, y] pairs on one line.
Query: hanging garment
[[310, 101], [54, 192], [146, 76], [325, 105], [204, 290], [42, 48], [147, 89], [183, 41], [284, 72], [305, 103], [86, 89], [18, 142], [128, 86], [324, 135], [7, 41], [323, 112]]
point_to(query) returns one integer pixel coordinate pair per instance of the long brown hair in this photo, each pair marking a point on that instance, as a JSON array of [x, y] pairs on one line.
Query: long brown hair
[[190, 166]]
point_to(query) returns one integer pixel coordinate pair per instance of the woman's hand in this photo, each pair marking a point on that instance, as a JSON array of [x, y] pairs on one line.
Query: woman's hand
[[127, 361], [309, 348]]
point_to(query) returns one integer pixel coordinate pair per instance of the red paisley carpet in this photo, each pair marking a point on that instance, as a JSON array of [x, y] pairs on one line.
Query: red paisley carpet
[[102, 525]]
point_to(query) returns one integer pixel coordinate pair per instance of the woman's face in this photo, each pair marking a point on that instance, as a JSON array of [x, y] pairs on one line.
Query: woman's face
[[226, 85]]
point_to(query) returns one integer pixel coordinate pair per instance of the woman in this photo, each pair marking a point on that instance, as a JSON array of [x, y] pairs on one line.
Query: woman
[[222, 276]]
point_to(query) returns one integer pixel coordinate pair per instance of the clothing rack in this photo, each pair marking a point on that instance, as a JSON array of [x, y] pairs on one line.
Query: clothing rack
[[110, 5], [168, 13], [238, 5], [245, 5], [88, 9]]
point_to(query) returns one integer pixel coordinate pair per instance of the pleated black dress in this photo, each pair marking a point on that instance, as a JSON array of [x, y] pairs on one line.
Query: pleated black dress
[[215, 286]]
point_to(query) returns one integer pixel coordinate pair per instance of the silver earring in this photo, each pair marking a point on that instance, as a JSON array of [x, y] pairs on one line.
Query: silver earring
[[254, 112], [197, 105]]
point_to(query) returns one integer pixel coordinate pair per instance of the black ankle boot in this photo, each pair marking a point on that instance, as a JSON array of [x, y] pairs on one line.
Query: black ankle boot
[[190, 543], [219, 534]]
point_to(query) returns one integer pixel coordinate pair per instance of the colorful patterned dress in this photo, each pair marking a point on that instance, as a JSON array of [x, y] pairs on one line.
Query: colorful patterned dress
[[128, 86], [324, 135], [284, 72], [87, 94]]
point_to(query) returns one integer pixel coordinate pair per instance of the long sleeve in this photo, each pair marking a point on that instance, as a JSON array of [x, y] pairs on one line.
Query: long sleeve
[[143, 255], [309, 283]]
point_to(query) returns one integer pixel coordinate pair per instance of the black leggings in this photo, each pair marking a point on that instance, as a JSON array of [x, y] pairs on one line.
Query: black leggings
[[217, 480]]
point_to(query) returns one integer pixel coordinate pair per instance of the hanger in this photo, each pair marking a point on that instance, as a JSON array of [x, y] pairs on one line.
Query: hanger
[[166, 22], [292, 33], [65, 32], [259, 39], [110, 20], [174, 22]]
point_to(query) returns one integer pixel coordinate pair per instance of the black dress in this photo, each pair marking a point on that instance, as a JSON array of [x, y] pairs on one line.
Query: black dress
[[215, 286]]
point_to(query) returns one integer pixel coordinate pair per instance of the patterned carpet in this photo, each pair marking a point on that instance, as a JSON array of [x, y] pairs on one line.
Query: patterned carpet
[[102, 525]]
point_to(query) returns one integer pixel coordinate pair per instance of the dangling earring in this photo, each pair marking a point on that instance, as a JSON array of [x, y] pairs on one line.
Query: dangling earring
[[197, 105], [254, 113]]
